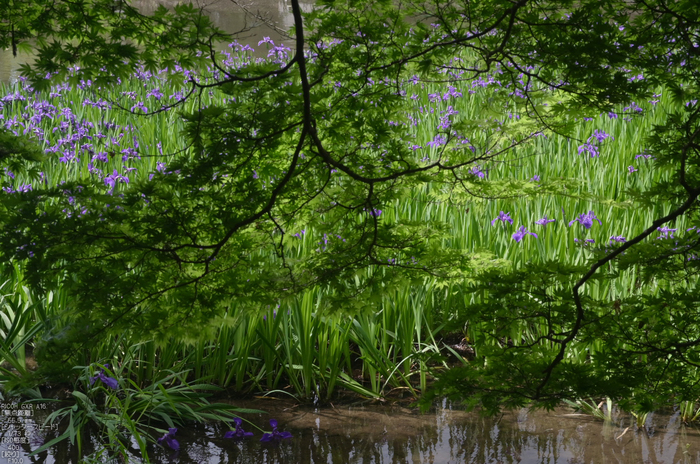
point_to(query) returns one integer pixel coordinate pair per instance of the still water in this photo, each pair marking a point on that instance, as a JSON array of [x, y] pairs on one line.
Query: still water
[[383, 434], [250, 23]]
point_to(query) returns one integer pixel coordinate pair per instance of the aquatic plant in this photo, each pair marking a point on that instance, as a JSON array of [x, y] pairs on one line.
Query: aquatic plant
[[603, 410], [135, 412], [640, 418], [689, 413]]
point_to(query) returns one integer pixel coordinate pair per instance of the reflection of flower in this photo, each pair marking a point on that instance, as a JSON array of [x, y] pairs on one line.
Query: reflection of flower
[[109, 381], [239, 433], [169, 439], [275, 435]]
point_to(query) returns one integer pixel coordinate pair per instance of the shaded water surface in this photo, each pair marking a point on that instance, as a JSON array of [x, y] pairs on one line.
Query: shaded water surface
[[375, 433]]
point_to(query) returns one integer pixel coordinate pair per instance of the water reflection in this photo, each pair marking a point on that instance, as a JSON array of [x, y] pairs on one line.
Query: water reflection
[[271, 18], [392, 434]]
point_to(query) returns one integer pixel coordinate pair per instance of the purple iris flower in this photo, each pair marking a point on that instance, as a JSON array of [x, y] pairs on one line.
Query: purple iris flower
[[438, 141], [631, 169], [522, 232], [600, 135], [112, 179], [586, 220], [617, 238], [502, 217], [452, 92], [544, 221], [239, 433], [634, 107], [111, 382], [665, 232], [590, 148], [169, 439], [275, 436], [156, 93], [476, 171]]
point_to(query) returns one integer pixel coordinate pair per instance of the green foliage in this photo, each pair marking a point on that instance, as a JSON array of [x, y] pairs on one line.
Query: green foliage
[[323, 139], [688, 412], [603, 410]]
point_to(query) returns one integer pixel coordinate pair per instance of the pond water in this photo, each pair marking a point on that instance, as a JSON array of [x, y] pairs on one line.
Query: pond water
[[382, 433], [226, 14]]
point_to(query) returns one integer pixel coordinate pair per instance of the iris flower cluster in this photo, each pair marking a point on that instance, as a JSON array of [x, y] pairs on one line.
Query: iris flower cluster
[[592, 145]]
